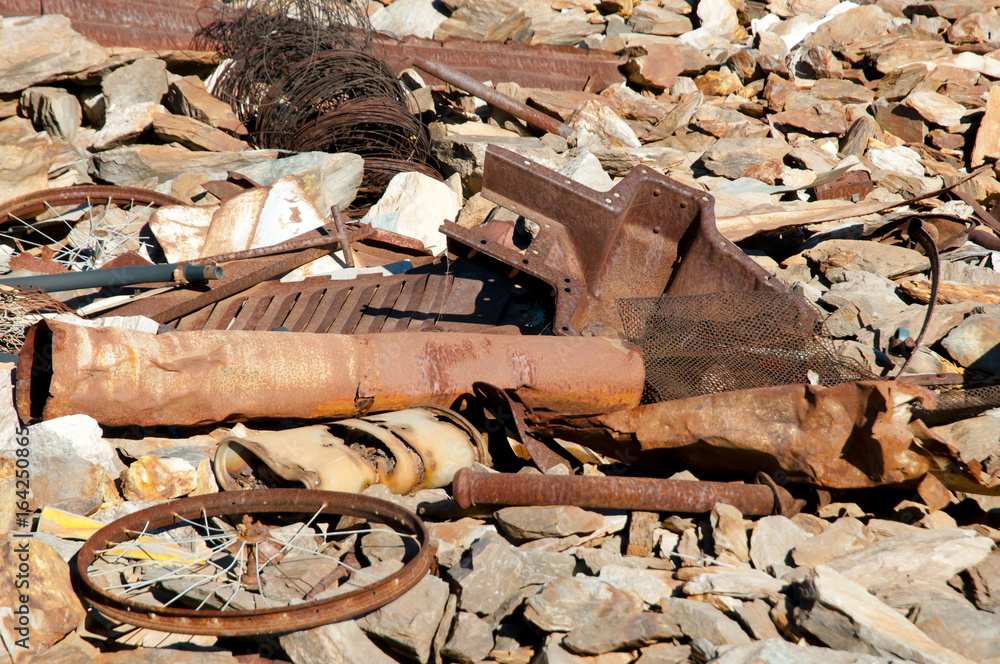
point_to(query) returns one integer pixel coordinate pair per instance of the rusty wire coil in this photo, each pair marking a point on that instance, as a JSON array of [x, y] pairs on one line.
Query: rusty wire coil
[[305, 75]]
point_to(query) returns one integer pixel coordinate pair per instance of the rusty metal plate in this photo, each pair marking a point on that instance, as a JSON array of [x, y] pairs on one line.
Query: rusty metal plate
[[647, 236], [455, 296], [847, 186], [538, 66]]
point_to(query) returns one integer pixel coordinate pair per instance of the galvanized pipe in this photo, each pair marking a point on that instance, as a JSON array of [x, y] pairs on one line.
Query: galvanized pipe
[[630, 493], [492, 97], [117, 276]]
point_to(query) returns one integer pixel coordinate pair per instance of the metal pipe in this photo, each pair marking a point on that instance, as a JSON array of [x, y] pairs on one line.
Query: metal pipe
[[117, 276], [631, 493], [124, 377], [494, 98]]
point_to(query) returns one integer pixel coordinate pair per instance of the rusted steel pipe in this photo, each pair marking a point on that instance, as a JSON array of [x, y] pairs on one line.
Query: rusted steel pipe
[[630, 493], [492, 97], [123, 377]]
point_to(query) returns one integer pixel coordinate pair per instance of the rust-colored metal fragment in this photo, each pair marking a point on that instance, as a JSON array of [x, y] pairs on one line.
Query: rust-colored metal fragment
[[631, 493], [493, 97], [280, 618], [122, 377], [853, 185], [648, 236], [848, 436], [82, 195]]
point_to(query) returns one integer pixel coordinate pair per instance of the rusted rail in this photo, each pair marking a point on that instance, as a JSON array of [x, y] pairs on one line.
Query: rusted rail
[[631, 493]]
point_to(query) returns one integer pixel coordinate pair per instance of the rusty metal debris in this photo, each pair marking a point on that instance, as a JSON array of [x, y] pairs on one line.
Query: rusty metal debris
[[648, 236], [134, 378], [493, 97], [630, 493], [238, 558], [406, 450]]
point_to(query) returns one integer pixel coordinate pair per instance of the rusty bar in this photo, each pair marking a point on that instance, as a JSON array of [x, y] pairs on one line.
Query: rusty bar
[[493, 97], [123, 377], [630, 493], [82, 195]]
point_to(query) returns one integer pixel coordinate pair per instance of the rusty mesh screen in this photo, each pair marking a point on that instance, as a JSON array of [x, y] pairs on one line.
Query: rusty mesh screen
[[960, 404], [700, 344]]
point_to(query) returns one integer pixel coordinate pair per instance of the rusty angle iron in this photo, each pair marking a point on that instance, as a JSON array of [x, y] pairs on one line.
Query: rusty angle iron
[[647, 236]]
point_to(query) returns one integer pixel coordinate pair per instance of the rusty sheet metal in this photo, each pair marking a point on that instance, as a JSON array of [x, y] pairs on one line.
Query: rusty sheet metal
[[152, 24], [279, 619], [848, 436], [444, 296], [647, 236], [630, 493], [537, 66], [849, 185], [122, 377]]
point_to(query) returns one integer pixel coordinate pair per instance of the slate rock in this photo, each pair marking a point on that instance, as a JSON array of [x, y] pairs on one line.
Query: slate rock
[[969, 632], [654, 20], [552, 652], [53, 609], [168, 656], [573, 602], [698, 620], [193, 134], [844, 616], [164, 162], [420, 205], [648, 584], [976, 343], [988, 135], [37, 48], [53, 109], [126, 124], [843, 536], [594, 124], [935, 107], [526, 523], [907, 595], [975, 28], [755, 617], [985, 580], [74, 434], [663, 63], [452, 538], [622, 632], [885, 260], [977, 440], [471, 639], [729, 534], [405, 18], [407, 624], [328, 178], [779, 651], [772, 539], [566, 28], [63, 481], [491, 576], [187, 96], [153, 477], [664, 653], [823, 118], [931, 555], [141, 82], [729, 157], [851, 26], [337, 643], [742, 584]]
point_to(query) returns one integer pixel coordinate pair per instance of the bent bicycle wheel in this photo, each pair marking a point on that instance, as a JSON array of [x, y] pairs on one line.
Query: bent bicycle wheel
[[253, 562]]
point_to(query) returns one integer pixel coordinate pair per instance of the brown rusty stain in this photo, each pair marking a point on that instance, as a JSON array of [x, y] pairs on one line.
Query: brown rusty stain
[[123, 377]]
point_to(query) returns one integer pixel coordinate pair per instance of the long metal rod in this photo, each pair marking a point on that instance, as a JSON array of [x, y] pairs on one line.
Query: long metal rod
[[631, 493], [494, 98], [118, 276]]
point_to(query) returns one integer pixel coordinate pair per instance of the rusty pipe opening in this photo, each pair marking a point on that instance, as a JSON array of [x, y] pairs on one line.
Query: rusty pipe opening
[[34, 371]]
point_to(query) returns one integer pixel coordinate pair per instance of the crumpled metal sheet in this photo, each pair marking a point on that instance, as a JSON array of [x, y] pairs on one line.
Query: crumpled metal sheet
[[122, 377], [848, 436]]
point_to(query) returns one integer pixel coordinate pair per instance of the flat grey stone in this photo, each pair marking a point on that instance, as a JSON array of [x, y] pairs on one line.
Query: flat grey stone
[[622, 632], [141, 82], [843, 615], [885, 260], [741, 584], [407, 624], [471, 639], [328, 179], [404, 18], [74, 434], [729, 157], [648, 584], [985, 579], [698, 620], [779, 651], [842, 536], [164, 162], [572, 602], [38, 48], [526, 523], [969, 632], [772, 539], [337, 643], [907, 595], [976, 343], [493, 574], [664, 653], [977, 440], [63, 481], [55, 110]]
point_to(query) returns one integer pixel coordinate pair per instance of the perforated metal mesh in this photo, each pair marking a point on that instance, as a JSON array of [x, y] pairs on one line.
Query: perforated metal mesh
[[701, 344]]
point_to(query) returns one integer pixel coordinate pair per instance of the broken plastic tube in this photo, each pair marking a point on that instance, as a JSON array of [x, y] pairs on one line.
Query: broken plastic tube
[[118, 276]]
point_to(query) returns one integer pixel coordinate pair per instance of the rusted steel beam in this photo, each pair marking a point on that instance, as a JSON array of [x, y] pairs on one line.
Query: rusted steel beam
[[631, 493], [493, 97], [123, 377]]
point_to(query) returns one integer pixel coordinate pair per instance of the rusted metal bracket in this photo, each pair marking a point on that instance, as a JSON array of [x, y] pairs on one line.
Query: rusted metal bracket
[[632, 493], [647, 236]]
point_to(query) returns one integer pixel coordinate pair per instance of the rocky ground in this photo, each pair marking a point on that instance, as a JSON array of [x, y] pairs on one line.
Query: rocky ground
[[756, 103]]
